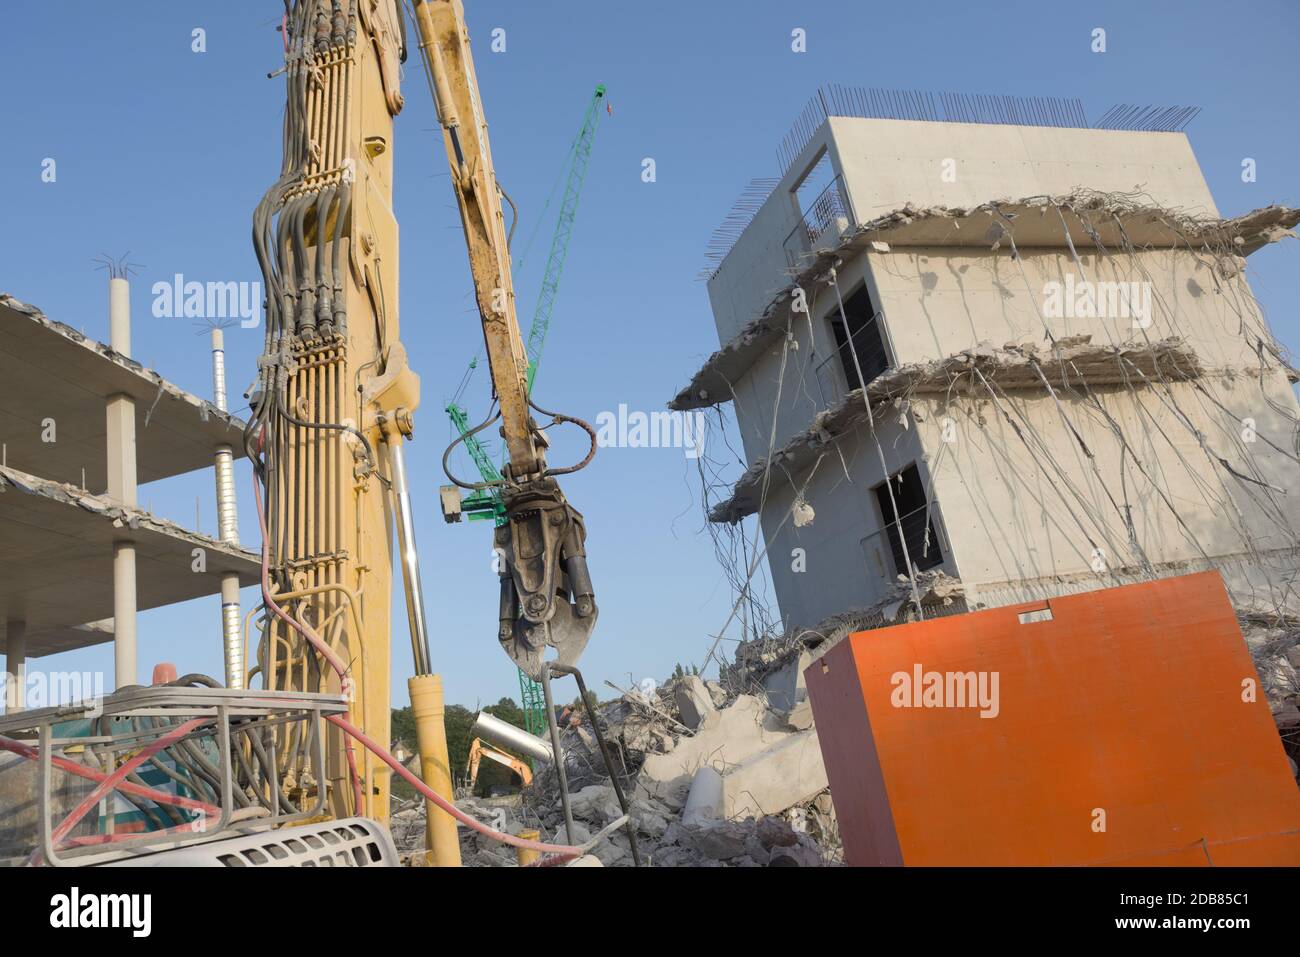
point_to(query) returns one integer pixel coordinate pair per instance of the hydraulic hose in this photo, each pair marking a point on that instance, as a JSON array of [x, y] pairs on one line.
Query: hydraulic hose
[[561, 850]]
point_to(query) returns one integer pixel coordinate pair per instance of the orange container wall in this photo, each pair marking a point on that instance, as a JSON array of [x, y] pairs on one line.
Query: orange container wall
[[1123, 730]]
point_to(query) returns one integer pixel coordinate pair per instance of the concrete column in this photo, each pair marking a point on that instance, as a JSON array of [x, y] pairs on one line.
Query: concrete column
[[15, 666], [124, 608], [121, 449], [121, 459]]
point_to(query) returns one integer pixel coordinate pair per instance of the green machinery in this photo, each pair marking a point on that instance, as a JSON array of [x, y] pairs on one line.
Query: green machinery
[[486, 503]]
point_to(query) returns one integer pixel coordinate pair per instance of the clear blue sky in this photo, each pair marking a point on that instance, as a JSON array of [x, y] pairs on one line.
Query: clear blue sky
[[164, 152]]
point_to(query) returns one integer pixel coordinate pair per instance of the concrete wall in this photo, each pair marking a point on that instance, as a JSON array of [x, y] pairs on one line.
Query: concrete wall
[[938, 301], [888, 163], [1027, 518], [808, 377], [847, 559]]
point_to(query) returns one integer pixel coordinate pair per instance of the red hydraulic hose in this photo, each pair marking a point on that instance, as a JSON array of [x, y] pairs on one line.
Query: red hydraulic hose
[[127, 787], [562, 850], [110, 782]]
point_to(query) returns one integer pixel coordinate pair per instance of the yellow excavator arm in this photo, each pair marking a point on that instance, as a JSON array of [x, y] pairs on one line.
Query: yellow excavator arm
[[546, 590]]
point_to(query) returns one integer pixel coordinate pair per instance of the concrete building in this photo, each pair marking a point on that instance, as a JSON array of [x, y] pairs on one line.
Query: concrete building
[[1018, 352], [81, 426]]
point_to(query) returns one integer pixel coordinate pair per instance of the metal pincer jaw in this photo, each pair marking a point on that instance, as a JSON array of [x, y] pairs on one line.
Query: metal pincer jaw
[[546, 591]]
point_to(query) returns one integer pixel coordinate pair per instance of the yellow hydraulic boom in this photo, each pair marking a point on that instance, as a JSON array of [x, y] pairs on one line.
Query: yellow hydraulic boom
[[333, 405], [546, 591]]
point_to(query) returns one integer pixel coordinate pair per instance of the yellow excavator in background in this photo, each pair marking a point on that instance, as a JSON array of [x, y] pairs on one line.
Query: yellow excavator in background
[[478, 751]]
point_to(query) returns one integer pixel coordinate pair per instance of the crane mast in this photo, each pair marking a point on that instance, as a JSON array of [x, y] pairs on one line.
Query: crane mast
[[547, 596]]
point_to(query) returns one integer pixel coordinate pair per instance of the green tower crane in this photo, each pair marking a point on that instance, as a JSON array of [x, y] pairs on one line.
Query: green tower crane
[[486, 503]]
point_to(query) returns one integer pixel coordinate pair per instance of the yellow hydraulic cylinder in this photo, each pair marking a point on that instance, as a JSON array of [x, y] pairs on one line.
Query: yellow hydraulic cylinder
[[435, 768], [525, 855]]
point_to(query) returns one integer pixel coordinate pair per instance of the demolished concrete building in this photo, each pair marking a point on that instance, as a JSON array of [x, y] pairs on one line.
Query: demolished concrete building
[[1024, 356]]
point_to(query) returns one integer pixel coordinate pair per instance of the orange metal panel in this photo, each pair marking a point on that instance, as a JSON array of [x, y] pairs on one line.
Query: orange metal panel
[[1119, 731]]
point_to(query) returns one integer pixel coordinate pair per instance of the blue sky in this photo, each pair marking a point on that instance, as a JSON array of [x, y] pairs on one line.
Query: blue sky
[[163, 152]]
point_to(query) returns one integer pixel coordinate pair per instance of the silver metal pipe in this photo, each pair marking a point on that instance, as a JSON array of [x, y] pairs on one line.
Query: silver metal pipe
[[227, 526], [219, 368], [506, 735], [227, 513], [231, 637], [410, 557]]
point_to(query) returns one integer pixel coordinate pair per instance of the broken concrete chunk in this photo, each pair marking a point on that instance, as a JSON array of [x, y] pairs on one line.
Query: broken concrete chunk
[[693, 700], [720, 840], [777, 778], [597, 803], [724, 738], [719, 694], [704, 800], [800, 717], [775, 832]]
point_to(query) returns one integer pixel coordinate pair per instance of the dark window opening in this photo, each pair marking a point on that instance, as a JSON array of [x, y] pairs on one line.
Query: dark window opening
[[867, 342], [913, 514]]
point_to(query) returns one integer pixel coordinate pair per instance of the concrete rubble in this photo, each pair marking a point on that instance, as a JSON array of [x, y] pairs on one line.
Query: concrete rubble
[[762, 798]]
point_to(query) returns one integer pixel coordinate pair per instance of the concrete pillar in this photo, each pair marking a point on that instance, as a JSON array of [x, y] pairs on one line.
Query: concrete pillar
[[15, 666], [121, 459], [121, 449], [124, 607]]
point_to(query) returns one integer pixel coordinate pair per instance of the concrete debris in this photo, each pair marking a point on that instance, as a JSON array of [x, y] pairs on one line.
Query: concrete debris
[[1274, 645], [693, 700], [1015, 366], [772, 665], [713, 779], [1114, 220], [704, 800]]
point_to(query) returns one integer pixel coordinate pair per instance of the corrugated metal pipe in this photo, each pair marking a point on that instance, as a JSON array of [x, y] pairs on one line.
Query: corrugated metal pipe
[[227, 526]]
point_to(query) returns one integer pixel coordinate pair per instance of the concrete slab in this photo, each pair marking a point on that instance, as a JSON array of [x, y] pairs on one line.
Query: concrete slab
[[53, 639], [56, 556], [49, 370], [777, 778], [723, 740], [1030, 223]]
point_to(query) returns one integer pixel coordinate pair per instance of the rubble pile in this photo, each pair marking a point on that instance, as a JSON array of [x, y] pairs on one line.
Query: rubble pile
[[713, 779], [770, 664]]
